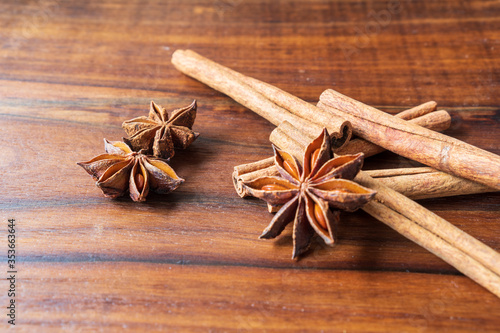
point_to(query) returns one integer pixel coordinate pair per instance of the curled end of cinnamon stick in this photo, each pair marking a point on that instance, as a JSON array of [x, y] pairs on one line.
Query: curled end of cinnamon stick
[[341, 138], [238, 186]]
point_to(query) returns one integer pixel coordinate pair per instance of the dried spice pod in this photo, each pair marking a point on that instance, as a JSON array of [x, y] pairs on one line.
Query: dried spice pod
[[312, 193], [121, 170], [158, 134]]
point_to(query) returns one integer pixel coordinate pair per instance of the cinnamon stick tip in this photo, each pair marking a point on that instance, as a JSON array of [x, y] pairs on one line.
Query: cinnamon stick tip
[[238, 186], [177, 55], [341, 138]]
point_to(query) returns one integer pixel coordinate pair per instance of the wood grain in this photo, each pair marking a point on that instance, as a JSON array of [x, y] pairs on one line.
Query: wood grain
[[71, 72]]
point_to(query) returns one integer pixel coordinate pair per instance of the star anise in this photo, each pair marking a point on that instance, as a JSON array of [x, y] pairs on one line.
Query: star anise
[[158, 133], [121, 170], [311, 194]]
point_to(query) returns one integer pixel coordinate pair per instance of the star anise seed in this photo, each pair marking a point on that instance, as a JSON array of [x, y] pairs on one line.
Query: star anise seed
[[159, 134], [312, 194], [121, 170]]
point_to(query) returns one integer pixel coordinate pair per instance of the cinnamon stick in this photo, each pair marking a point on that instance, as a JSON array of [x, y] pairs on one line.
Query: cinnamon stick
[[254, 166], [276, 105], [460, 259], [440, 183], [250, 171], [414, 183], [228, 82], [437, 150], [428, 183], [306, 111], [465, 253], [418, 111], [409, 140], [425, 183], [468, 255], [436, 121]]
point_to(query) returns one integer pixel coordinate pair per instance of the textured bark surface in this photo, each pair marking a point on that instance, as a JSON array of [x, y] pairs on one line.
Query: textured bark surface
[[72, 72], [423, 145]]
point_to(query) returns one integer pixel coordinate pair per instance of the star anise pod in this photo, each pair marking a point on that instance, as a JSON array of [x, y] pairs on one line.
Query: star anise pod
[[311, 194], [121, 170], [159, 134]]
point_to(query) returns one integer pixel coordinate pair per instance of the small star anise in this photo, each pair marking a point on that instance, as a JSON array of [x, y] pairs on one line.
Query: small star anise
[[158, 133], [312, 193], [121, 170]]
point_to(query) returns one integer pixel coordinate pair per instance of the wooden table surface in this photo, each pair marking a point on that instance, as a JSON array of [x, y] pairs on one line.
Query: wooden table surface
[[72, 71]]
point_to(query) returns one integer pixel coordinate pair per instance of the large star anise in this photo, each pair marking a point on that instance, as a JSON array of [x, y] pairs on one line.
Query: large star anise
[[158, 133], [312, 193], [121, 170]]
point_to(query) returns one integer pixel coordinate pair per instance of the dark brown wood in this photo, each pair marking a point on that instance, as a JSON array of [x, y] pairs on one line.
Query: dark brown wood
[[72, 72]]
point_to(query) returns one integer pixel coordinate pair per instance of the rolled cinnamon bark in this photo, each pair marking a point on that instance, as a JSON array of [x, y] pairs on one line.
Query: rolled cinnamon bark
[[439, 184], [436, 121], [240, 177], [418, 111], [414, 183], [254, 166], [230, 83], [460, 258], [415, 142], [468, 255], [277, 105], [426, 183]]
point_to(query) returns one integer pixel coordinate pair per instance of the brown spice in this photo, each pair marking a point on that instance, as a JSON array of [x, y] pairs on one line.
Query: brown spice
[[159, 134], [425, 183], [417, 143], [237, 86], [121, 170], [312, 193], [467, 254], [436, 121]]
